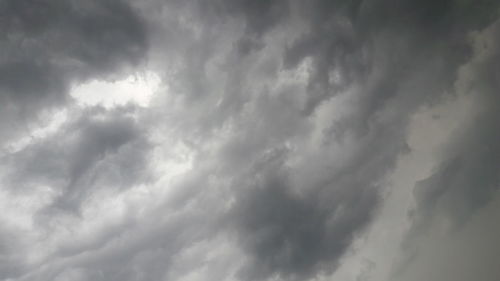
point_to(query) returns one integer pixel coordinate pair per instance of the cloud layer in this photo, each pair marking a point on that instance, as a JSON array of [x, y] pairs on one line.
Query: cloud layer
[[283, 140]]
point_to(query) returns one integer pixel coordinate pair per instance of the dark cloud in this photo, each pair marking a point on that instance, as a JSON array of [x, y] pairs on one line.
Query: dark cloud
[[49, 45], [391, 57], [21, 80], [259, 16], [390, 54], [297, 237], [272, 138]]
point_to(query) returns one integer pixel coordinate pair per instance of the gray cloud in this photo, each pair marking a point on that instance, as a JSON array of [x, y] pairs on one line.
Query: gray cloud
[[296, 236], [466, 180], [47, 46], [100, 148], [265, 155]]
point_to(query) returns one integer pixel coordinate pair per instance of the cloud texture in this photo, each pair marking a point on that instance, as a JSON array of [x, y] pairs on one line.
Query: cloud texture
[[284, 140]]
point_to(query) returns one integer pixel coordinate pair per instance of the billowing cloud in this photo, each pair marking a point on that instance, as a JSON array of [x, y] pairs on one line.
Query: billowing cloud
[[246, 140], [49, 45]]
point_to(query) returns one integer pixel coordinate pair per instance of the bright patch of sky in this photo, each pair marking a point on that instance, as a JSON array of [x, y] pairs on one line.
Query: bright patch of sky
[[135, 89]]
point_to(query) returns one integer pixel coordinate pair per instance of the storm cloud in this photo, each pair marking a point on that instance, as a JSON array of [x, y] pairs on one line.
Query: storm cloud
[[248, 140]]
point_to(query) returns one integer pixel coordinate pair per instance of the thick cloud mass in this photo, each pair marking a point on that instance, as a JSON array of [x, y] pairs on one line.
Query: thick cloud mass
[[49, 45], [285, 140]]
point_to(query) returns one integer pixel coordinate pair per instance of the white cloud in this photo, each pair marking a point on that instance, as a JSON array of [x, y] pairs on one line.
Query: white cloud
[[137, 89]]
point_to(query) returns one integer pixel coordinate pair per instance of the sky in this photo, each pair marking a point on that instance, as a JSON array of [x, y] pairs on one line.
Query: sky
[[249, 140]]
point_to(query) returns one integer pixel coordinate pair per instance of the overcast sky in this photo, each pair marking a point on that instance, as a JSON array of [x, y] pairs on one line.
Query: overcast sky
[[252, 140]]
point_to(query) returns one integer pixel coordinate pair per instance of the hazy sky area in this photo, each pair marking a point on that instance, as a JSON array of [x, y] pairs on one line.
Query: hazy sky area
[[249, 140]]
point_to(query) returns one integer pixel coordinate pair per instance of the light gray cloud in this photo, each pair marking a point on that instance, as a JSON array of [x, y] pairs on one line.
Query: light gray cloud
[[467, 178], [99, 148]]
